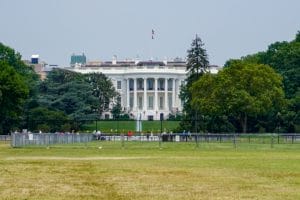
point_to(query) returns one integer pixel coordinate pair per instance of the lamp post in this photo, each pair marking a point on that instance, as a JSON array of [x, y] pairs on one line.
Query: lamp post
[[278, 125], [96, 118], [161, 119], [196, 129], [96, 125], [278, 122]]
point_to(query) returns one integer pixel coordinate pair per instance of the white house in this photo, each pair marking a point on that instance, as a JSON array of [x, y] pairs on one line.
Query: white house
[[149, 89]]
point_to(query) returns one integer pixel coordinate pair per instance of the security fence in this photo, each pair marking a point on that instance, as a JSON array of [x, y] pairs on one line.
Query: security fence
[[234, 140], [46, 139], [191, 137], [5, 137]]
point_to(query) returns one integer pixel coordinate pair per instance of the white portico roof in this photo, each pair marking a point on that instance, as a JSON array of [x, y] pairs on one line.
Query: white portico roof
[[141, 68]]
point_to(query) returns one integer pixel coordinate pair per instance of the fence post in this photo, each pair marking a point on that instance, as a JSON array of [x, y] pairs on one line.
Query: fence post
[[122, 140], [13, 140], [196, 126], [234, 140], [197, 140], [159, 139], [272, 140], [86, 140]]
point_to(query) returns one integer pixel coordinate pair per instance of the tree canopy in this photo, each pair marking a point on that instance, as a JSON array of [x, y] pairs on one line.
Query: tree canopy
[[80, 97], [284, 58], [13, 93], [17, 85], [240, 90], [14, 59], [103, 89]]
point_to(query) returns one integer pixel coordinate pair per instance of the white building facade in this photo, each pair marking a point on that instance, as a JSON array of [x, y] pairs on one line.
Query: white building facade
[[148, 89]]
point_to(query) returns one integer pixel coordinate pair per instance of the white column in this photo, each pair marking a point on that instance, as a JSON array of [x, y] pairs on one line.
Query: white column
[[166, 94], [177, 98], [145, 94], [155, 94], [134, 95], [128, 94], [173, 93]]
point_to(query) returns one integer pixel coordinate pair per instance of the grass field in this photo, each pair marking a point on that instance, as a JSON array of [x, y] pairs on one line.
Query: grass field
[[141, 170], [125, 126]]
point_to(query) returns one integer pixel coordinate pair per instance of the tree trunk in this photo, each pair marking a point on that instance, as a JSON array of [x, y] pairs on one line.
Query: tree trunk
[[243, 121]]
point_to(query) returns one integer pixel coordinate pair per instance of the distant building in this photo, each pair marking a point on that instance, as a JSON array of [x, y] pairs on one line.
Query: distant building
[[35, 59], [40, 67], [78, 60], [148, 89]]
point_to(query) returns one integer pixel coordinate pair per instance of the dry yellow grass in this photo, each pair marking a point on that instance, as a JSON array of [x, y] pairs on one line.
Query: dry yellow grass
[[170, 173]]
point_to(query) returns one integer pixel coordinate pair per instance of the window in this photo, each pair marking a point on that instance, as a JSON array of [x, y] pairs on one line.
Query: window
[[182, 83], [119, 99], [130, 84], [131, 101], [161, 84], [170, 84], [140, 84], [150, 84], [140, 103], [150, 102], [119, 85], [170, 102], [150, 117], [161, 103]]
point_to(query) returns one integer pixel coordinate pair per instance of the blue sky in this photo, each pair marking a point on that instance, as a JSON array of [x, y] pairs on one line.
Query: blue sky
[[102, 28]]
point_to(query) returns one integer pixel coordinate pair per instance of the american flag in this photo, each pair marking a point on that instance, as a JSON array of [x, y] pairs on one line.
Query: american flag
[[152, 35]]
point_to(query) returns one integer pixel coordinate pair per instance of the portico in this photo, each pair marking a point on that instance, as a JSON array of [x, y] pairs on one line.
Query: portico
[[151, 95]]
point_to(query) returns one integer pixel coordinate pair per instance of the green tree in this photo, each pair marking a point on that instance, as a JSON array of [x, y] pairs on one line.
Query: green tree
[[13, 93], [240, 90], [70, 93], [14, 59], [81, 97], [116, 110], [103, 89], [45, 120], [30, 81], [297, 39], [197, 60], [284, 57], [197, 65]]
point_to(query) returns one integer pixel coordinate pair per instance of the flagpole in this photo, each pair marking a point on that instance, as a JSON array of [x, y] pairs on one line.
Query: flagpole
[[152, 44]]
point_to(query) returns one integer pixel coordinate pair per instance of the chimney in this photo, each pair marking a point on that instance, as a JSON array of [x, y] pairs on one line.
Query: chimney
[[165, 61], [137, 60], [114, 60]]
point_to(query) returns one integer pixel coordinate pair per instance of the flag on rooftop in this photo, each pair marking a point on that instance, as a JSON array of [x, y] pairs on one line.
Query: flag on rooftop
[[152, 36]]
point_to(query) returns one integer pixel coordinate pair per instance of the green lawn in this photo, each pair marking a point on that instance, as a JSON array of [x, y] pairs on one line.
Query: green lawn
[[142, 170], [125, 126]]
